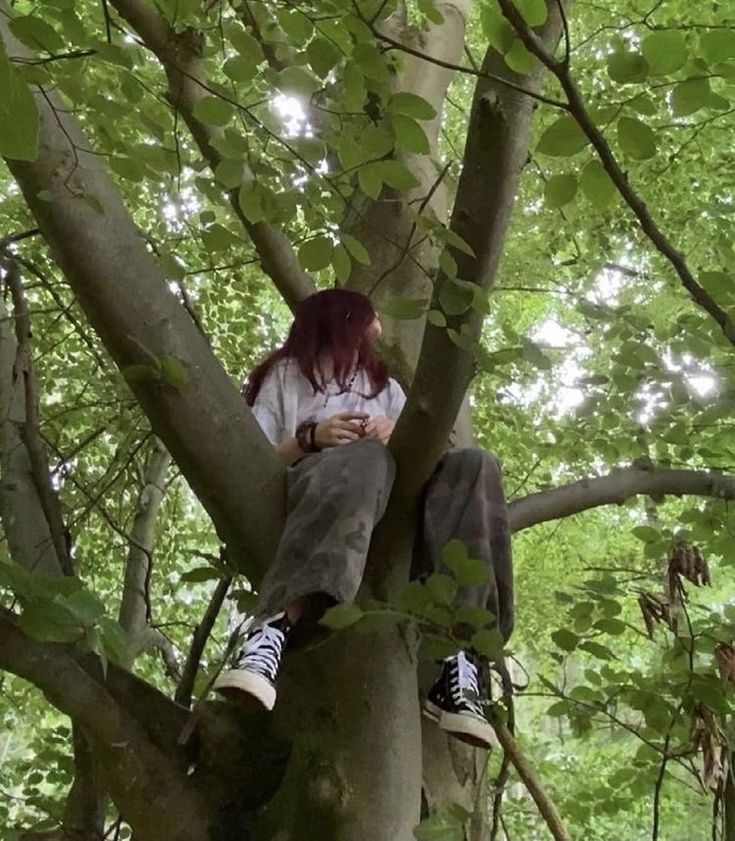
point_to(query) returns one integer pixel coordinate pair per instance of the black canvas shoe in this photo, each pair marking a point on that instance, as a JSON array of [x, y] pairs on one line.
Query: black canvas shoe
[[255, 666], [453, 703]]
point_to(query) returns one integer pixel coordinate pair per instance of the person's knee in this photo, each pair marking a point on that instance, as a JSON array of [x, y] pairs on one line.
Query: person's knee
[[375, 459], [474, 460], [366, 460]]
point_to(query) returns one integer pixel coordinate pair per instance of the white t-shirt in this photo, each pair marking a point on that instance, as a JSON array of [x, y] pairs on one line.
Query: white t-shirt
[[286, 399]]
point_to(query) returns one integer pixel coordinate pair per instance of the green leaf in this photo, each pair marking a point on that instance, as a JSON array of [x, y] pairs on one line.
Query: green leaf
[[689, 96], [411, 105], [141, 373], [627, 68], [35, 33], [201, 574], [213, 111], [114, 640], [409, 135], [562, 138], [395, 175], [560, 190], [565, 639], [519, 59], [414, 597], [316, 253], [468, 572], [454, 239], [610, 626], [127, 167], [33, 585], [297, 80], [597, 185], [240, 69], [370, 181], [217, 238], [341, 264], [477, 616], [244, 43], [498, 31], [251, 202], [19, 121], [371, 62], [341, 616], [441, 588], [636, 139], [400, 307], [489, 643], [534, 12], [456, 296], [84, 605], [356, 249], [229, 172], [49, 621], [665, 51], [718, 45], [173, 372], [447, 263], [323, 55], [532, 353], [646, 533]]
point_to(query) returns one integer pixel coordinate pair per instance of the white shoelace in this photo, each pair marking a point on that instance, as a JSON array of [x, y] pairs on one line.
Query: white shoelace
[[463, 682], [262, 651]]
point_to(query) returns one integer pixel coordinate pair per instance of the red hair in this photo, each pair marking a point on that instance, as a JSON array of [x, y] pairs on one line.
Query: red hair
[[332, 323]]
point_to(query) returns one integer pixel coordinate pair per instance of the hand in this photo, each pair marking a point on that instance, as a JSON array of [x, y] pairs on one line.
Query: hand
[[379, 427], [340, 429]]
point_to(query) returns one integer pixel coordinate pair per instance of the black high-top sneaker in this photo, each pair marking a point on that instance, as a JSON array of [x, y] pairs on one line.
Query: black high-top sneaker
[[453, 702], [256, 664]]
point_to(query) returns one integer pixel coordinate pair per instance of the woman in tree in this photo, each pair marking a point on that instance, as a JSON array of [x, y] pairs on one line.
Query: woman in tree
[[328, 405]]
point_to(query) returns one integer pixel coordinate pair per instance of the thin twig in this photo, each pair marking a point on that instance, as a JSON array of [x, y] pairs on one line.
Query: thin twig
[[199, 640]]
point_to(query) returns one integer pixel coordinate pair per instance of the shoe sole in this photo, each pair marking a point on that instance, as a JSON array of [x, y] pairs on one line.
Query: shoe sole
[[468, 729], [235, 681]]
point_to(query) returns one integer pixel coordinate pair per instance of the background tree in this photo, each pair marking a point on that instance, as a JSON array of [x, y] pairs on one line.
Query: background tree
[[178, 176]]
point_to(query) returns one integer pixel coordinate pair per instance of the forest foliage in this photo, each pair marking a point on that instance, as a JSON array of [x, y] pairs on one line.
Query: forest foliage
[[593, 357]]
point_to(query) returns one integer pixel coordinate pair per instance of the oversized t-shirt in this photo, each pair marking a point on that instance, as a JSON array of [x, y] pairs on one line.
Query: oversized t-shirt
[[286, 399]]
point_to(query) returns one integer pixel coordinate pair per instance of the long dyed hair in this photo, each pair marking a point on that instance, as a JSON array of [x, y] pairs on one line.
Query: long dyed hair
[[331, 324]]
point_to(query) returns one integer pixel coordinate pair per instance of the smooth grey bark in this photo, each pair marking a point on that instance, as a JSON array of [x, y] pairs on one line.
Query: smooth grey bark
[[134, 607], [24, 523], [350, 711], [615, 489]]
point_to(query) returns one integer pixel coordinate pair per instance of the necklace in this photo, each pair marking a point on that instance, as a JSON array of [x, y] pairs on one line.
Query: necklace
[[345, 390]]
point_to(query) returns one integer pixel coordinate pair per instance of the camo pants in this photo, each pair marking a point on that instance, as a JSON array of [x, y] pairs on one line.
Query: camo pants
[[336, 497]]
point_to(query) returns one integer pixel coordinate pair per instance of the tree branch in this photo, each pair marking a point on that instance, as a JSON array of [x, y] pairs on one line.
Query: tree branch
[[545, 805], [578, 109], [132, 766], [135, 604], [199, 640], [495, 153], [616, 488], [198, 413], [179, 56], [23, 370]]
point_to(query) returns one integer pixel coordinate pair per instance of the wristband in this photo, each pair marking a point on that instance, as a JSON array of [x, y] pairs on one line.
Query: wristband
[[306, 437]]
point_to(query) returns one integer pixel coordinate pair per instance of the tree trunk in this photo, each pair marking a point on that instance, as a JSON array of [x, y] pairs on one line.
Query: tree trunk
[[350, 709]]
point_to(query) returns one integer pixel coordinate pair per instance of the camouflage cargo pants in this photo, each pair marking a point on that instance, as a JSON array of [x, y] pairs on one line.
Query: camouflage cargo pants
[[336, 497]]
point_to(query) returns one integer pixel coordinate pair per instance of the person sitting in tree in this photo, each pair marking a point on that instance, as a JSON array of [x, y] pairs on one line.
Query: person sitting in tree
[[326, 402]]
